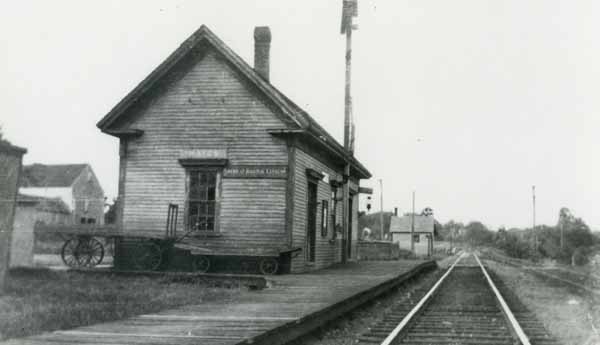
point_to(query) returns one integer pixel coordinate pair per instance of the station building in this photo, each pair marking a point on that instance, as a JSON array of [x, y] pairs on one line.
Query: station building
[[249, 170]]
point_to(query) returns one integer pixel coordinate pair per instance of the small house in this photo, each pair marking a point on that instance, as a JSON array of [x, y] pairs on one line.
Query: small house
[[420, 227], [248, 169], [75, 185]]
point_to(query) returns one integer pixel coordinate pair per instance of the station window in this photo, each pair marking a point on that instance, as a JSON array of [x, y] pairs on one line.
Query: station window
[[416, 238], [202, 201]]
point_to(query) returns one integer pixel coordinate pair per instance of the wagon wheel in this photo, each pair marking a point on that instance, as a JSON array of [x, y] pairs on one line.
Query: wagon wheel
[[268, 266], [91, 251], [200, 263], [148, 257], [70, 253]]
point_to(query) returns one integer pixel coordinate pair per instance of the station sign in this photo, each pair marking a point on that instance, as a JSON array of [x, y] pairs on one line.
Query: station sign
[[256, 171], [203, 154]]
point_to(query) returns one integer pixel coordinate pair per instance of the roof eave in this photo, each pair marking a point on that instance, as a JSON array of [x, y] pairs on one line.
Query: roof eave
[[125, 133], [331, 147]]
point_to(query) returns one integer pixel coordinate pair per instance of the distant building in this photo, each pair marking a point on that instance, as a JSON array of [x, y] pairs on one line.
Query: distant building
[[75, 185], [424, 232], [29, 211], [42, 209]]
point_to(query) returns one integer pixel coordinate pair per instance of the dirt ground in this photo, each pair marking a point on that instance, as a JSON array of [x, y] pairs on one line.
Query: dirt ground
[[570, 314]]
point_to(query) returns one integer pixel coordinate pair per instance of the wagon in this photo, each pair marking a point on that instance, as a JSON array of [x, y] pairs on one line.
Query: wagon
[[83, 248], [268, 261]]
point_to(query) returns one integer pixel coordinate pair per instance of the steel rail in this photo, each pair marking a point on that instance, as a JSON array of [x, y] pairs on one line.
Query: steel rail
[[392, 336], [511, 317]]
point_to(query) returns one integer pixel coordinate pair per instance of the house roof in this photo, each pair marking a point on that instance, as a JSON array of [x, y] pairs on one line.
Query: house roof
[[295, 117], [41, 175], [55, 205]]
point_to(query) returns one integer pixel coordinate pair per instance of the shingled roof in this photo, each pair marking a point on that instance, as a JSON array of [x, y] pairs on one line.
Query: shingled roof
[[298, 121], [41, 175]]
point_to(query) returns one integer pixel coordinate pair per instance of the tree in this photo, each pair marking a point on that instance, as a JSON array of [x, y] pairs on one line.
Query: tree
[[478, 234], [2, 139], [450, 230], [577, 237], [427, 211], [372, 221], [110, 217]]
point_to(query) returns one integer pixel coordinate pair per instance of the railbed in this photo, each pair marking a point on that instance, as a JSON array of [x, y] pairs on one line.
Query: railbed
[[464, 306]]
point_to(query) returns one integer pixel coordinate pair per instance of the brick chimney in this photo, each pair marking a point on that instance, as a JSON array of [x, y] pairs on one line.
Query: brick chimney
[[262, 46]]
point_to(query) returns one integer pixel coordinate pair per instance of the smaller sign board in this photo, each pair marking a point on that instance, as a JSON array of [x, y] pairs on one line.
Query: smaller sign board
[[203, 154], [256, 171]]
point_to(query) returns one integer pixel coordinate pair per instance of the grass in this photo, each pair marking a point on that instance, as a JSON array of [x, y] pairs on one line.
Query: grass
[[570, 314], [42, 300]]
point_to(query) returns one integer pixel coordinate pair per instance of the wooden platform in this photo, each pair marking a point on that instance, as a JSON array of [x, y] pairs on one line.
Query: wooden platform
[[292, 306]]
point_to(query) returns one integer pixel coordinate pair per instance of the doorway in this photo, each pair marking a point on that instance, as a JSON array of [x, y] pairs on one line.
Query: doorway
[[311, 222]]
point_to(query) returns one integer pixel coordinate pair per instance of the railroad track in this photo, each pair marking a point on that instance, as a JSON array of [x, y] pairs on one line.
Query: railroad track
[[464, 306]]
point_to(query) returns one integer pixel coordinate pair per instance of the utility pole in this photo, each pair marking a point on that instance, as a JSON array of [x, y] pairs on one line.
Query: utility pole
[[562, 235], [381, 209], [412, 225], [535, 239], [349, 11]]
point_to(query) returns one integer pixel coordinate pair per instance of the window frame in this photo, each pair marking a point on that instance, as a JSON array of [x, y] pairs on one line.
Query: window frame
[[189, 170]]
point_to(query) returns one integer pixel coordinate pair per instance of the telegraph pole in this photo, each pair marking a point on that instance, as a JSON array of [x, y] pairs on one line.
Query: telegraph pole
[[381, 208], [562, 236], [535, 239], [412, 225], [349, 11]]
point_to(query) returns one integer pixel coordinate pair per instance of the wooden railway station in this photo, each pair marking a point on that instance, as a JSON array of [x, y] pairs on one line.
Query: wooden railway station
[[250, 173]]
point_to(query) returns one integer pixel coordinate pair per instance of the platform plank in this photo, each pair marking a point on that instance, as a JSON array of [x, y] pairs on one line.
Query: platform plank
[[293, 305]]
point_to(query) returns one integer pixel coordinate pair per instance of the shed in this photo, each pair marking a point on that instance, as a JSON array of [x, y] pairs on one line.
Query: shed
[[401, 229], [251, 170], [29, 211]]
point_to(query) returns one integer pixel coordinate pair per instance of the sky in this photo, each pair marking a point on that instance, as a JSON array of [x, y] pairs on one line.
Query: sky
[[469, 103]]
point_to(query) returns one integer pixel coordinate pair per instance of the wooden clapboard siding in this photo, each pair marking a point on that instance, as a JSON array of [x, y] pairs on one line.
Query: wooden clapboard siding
[[208, 107], [326, 252]]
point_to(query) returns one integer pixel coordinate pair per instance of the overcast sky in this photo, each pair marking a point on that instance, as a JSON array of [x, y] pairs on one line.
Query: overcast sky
[[468, 102]]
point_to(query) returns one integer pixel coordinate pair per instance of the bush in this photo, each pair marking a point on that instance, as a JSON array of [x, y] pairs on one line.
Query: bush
[[580, 256]]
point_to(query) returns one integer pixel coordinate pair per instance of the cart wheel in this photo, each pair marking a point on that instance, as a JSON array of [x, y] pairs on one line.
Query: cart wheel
[[149, 257], [70, 253], [269, 266], [200, 263], [91, 251]]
